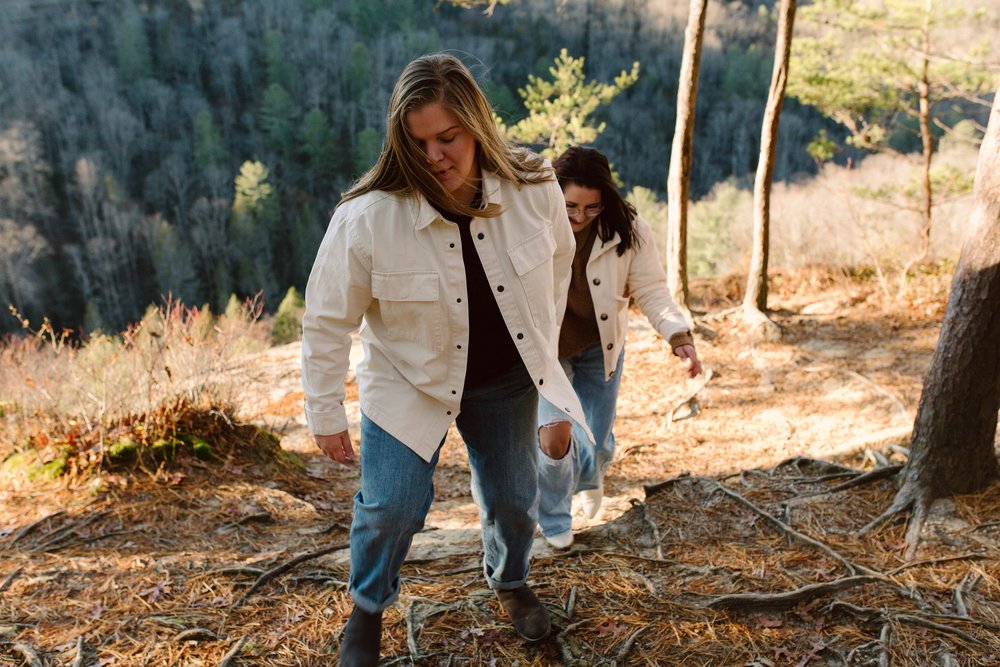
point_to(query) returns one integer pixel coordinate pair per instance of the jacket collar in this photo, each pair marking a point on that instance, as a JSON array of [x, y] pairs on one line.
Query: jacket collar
[[604, 246], [424, 214]]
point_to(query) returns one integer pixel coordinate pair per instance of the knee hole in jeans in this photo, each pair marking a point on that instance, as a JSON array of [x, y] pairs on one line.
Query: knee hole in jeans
[[554, 439]]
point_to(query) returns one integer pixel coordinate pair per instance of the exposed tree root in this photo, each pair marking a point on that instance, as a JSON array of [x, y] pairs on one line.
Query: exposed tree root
[[81, 652], [28, 654], [285, 567], [786, 599], [791, 532], [911, 497], [935, 561]]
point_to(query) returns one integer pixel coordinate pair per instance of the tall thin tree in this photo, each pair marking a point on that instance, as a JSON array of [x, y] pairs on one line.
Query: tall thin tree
[[755, 298], [679, 174]]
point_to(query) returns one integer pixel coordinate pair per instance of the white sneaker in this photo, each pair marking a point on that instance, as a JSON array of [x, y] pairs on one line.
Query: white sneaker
[[560, 540], [590, 501]]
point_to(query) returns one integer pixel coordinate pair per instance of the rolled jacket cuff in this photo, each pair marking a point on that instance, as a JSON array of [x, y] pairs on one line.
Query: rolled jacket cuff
[[681, 338], [326, 422]]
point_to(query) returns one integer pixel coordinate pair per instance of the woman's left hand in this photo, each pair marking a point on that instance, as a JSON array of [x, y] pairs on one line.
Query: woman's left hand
[[689, 354]]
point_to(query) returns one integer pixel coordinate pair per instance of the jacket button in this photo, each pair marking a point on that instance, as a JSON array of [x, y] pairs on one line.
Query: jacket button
[[604, 316], [610, 345], [520, 336], [541, 381], [451, 245], [459, 300], [449, 412], [458, 347], [453, 392], [499, 288], [481, 236], [597, 281]]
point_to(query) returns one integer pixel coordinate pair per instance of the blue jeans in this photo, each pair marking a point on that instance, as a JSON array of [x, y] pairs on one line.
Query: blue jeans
[[584, 465], [497, 422]]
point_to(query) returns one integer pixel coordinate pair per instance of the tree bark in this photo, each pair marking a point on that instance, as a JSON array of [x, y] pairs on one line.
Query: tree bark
[[679, 175], [952, 445], [755, 298]]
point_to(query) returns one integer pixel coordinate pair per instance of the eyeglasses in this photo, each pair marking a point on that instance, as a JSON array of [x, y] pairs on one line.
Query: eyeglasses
[[589, 212]]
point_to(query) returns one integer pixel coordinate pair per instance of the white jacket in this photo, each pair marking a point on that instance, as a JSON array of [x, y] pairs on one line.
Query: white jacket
[[394, 263], [637, 274]]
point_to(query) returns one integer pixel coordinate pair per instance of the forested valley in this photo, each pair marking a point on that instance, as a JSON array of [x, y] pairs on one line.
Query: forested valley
[[197, 148]]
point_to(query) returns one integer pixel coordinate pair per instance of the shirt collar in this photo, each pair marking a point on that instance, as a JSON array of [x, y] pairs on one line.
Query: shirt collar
[[424, 214]]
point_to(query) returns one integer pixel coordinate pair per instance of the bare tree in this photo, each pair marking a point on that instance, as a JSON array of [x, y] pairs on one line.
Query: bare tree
[[755, 298], [679, 175], [952, 445]]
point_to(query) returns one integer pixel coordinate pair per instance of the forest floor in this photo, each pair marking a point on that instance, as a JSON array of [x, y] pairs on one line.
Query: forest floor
[[724, 538]]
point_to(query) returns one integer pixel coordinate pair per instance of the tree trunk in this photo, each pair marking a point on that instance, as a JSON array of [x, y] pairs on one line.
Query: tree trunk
[[926, 138], [755, 299], [679, 176], [952, 446]]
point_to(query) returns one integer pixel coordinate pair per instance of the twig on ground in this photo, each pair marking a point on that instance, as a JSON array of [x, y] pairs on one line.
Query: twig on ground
[[196, 635], [786, 599], [651, 489], [53, 539], [228, 658], [656, 531], [29, 654], [9, 579], [884, 638], [622, 655], [34, 525], [258, 517], [285, 567], [940, 627], [935, 561], [571, 602], [249, 571], [80, 653]]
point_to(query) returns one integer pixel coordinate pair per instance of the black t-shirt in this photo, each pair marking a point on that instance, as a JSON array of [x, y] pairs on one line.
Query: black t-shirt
[[491, 349]]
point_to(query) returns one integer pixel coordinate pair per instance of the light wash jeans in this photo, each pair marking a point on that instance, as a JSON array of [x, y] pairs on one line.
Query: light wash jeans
[[498, 423], [584, 465]]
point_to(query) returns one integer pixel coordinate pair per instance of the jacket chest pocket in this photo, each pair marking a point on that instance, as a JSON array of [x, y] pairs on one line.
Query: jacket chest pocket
[[532, 260], [410, 306]]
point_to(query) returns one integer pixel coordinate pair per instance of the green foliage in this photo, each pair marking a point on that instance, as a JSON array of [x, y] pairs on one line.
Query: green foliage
[[318, 145], [279, 118], [134, 61], [366, 16], [859, 62], [287, 326], [278, 69], [559, 109], [366, 149], [822, 148], [209, 149], [359, 70], [172, 261]]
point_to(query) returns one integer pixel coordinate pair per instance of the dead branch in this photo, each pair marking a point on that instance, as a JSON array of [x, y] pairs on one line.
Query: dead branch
[[9, 579], [285, 567], [797, 462], [788, 530], [861, 479], [656, 531], [786, 599], [571, 602], [935, 561], [196, 635], [258, 517], [80, 653], [53, 539], [249, 571], [29, 654], [940, 627], [227, 659], [622, 655], [884, 637], [32, 526]]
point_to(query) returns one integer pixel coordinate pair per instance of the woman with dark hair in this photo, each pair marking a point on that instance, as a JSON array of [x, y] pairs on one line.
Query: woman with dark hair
[[455, 252], [615, 260]]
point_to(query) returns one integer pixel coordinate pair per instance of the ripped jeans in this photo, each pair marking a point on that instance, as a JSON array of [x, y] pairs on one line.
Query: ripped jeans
[[584, 465]]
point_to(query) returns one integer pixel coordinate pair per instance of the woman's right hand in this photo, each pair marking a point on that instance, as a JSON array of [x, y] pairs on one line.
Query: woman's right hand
[[337, 446]]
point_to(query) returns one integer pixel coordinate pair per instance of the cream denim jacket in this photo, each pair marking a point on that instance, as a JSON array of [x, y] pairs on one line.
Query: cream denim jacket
[[395, 264], [637, 274]]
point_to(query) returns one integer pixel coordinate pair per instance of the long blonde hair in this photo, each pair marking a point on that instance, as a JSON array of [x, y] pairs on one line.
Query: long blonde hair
[[402, 166]]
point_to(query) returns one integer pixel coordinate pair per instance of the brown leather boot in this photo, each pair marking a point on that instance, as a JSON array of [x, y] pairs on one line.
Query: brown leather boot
[[529, 617], [362, 638]]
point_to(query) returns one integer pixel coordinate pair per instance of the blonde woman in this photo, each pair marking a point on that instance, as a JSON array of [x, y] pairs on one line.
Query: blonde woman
[[455, 251]]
